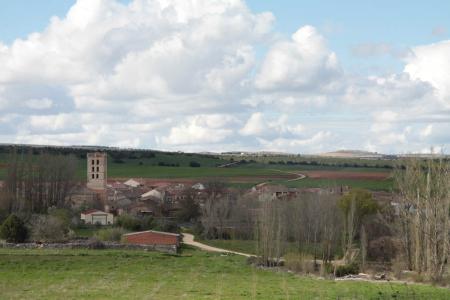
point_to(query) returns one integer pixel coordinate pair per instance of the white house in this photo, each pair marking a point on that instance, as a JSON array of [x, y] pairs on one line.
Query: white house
[[132, 183], [153, 194], [198, 186], [95, 216]]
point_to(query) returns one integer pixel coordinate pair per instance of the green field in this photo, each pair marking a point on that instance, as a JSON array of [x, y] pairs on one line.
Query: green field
[[105, 274], [246, 175], [376, 185]]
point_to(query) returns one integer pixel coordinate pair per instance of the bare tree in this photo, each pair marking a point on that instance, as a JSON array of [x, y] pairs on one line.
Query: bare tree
[[271, 231], [423, 211], [35, 183]]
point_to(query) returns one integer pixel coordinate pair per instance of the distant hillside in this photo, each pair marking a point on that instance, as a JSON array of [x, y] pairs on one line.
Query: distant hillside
[[352, 154]]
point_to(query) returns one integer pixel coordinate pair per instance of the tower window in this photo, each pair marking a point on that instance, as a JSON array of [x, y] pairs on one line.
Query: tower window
[[98, 169], [97, 176], [98, 161], [93, 169], [92, 176], [93, 161]]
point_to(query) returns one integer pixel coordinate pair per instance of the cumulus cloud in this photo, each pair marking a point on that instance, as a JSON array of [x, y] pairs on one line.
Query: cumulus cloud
[[201, 129], [184, 74], [304, 62], [430, 63]]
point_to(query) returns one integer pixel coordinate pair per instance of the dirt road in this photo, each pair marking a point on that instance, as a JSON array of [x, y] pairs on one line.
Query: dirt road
[[188, 239]]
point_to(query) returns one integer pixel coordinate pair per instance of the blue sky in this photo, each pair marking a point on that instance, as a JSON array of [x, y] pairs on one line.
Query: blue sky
[[377, 69]]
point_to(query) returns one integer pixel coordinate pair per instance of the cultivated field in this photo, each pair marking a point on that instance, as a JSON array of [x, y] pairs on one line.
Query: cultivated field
[[104, 274], [160, 167]]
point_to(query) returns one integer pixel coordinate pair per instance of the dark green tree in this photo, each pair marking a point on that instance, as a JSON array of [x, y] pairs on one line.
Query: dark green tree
[[13, 230]]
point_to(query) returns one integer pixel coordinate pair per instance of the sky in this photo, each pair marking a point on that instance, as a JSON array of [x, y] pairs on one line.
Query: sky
[[225, 75]]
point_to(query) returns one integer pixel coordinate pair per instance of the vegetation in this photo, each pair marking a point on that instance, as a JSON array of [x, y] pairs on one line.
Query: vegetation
[[48, 228], [26, 274], [13, 230], [155, 164], [110, 234], [349, 269], [423, 221], [133, 223]]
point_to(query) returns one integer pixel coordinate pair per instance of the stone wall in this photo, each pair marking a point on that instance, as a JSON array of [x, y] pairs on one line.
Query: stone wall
[[171, 249]]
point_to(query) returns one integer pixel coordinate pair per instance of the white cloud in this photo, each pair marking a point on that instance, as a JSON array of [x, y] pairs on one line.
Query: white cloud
[[430, 63], [193, 74], [201, 129], [304, 62], [39, 104]]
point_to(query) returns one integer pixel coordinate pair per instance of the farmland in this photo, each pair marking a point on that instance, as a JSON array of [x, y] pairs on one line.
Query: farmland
[[176, 167], [107, 274]]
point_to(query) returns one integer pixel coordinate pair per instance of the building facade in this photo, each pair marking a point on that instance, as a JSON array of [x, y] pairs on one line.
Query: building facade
[[95, 216], [97, 170]]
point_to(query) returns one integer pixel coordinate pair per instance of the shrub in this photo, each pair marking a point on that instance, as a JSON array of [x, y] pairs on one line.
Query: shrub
[[63, 215], [13, 230], [194, 164], [48, 229], [349, 269], [383, 249], [95, 244], [299, 262], [129, 222], [167, 226], [110, 234]]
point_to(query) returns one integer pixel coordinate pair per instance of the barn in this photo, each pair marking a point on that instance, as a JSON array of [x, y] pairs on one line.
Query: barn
[[157, 239]]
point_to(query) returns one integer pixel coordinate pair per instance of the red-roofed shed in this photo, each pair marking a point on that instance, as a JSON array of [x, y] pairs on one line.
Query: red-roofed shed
[[151, 237]]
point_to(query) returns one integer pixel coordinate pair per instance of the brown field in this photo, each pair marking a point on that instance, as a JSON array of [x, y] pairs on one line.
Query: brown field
[[347, 175], [191, 181]]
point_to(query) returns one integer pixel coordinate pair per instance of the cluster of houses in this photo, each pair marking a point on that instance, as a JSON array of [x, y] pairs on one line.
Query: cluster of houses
[[133, 197], [108, 199]]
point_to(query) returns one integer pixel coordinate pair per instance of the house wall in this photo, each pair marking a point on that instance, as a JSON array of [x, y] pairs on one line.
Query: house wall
[[103, 219]]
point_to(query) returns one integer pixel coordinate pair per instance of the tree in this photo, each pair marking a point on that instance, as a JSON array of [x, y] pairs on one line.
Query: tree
[[47, 228], [355, 205], [194, 164], [423, 215], [13, 230], [271, 231], [189, 207], [34, 184]]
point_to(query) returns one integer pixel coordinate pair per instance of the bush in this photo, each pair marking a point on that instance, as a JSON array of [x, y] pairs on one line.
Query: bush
[[167, 226], [299, 262], [13, 230], [383, 249], [350, 269], [129, 222], [194, 164], [63, 215], [96, 244], [110, 234], [48, 229]]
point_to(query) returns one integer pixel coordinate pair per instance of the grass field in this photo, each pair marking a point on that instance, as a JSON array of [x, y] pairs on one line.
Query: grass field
[[241, 176], [105, 274], [376, 185], [249, 246]]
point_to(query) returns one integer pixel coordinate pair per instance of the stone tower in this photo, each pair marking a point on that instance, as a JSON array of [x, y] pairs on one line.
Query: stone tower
[[97, 170]]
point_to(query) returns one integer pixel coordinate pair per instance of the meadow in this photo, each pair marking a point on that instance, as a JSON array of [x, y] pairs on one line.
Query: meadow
[[107, 274]]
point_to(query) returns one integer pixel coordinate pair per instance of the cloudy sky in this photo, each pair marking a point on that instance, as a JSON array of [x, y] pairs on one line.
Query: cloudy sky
[[221, 75]]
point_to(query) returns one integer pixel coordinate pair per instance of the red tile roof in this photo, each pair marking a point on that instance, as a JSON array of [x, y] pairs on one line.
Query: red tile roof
[[152, 238]]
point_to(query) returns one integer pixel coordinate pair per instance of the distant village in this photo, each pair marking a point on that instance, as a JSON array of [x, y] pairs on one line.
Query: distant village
[[103, 199]]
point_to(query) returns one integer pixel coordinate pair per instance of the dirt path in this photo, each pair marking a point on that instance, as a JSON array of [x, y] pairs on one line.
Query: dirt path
[[300, 176], [188, 239]]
